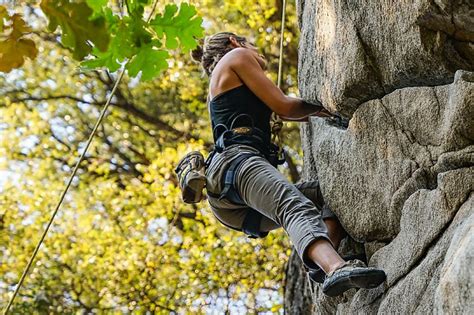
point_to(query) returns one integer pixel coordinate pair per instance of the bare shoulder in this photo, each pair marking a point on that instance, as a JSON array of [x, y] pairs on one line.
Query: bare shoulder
[[223, 76], [234, 59], [238, 55], [230, 58]]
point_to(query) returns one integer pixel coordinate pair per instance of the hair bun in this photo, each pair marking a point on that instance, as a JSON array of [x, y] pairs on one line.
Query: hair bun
[[197, 53]]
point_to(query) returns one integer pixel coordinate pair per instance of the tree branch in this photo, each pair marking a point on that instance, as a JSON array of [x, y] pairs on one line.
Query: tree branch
[[127, 107]]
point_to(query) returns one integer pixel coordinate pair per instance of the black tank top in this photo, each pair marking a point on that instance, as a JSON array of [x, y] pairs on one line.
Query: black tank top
[[225, 107]]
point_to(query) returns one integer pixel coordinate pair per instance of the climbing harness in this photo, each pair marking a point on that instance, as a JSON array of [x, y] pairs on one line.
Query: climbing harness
[[191, 168], [226, 138]]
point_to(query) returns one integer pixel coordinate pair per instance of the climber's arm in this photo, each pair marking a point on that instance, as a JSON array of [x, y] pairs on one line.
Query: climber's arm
[[311, 109], [303, 119], [245, 65]]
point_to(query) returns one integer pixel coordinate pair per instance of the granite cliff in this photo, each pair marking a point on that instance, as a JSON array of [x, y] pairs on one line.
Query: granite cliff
[[401, 176]]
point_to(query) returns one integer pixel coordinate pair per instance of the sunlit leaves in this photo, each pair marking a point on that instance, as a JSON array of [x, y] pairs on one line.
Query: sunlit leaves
[[77, 26], [97, 5], [91, 29], [14, 48], [148, 60], [183, 25], [140, 42], [123, 241]]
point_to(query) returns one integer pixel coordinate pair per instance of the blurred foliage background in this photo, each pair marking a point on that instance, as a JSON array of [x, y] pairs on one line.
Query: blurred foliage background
[[123, 241]]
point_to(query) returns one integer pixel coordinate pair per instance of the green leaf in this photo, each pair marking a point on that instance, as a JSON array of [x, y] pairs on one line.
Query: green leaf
[[183, 25], [97, 5], [149, 61], [138, 32], [108, 59], [137, 7], [121, 47], [77, 25]]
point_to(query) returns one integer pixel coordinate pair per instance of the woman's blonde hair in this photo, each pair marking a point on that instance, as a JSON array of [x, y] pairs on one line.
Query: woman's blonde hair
[[213, 48]]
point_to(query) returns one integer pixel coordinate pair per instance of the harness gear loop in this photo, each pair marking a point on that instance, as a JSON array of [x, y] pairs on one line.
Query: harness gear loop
[[276, 122]]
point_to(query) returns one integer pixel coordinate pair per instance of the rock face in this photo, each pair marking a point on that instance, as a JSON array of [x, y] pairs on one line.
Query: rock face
[[352, 51], [401, 177]]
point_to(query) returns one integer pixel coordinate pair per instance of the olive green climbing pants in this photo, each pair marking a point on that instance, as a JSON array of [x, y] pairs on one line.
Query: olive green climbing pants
[[265, 189]]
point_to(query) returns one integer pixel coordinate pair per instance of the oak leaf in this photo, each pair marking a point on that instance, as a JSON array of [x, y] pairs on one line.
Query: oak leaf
[[78, 26], [15, 49]]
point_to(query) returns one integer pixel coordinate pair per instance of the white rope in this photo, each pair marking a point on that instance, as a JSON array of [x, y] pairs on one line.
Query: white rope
[[277, 123]]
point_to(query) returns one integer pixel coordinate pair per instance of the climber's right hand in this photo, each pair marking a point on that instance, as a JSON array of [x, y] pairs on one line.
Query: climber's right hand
[[316, 108], [337, 120]]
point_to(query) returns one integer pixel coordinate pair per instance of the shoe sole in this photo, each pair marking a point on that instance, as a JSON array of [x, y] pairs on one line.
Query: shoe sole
[[357, 279], [192, 192]]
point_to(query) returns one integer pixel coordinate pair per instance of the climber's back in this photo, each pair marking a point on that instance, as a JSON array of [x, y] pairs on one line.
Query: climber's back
[[239, 107]]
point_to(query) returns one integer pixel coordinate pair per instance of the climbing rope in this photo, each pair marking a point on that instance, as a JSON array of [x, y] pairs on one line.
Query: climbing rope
[[276, 122], [81, 158]]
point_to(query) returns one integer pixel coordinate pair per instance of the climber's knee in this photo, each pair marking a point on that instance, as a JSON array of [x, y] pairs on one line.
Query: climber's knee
[[326, 213]]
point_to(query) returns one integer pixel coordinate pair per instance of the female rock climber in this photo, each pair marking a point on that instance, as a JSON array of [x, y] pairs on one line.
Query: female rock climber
[[245, 190]]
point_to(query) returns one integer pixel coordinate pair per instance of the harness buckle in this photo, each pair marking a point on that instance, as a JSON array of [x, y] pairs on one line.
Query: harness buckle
[[242, 130]]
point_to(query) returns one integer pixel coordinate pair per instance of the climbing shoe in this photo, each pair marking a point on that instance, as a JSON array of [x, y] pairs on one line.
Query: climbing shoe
[[352, 274], [191, 178], [318, 275], [349, 249]]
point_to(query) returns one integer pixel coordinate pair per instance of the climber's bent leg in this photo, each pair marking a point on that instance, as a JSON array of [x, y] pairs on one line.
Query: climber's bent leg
[[312, 191], [230, 214], [265, 189]]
